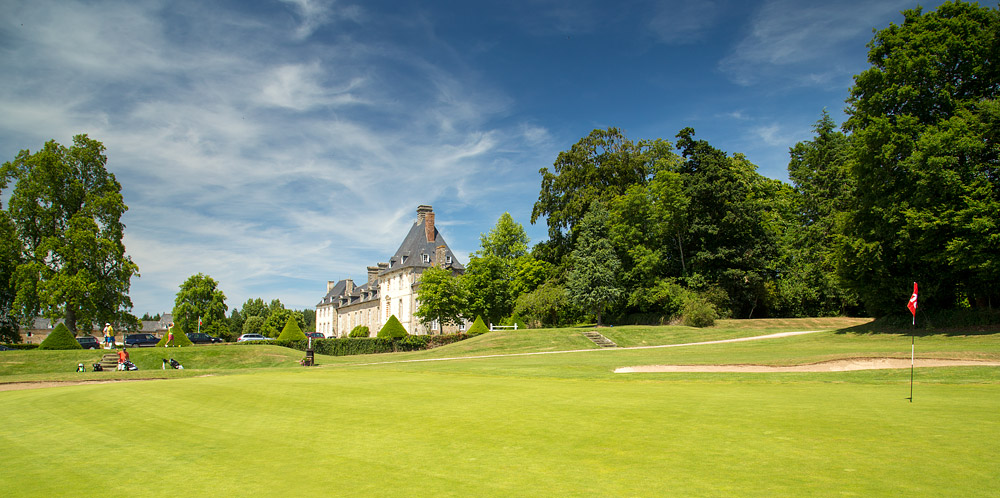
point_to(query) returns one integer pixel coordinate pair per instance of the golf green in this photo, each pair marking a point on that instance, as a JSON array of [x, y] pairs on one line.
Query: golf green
[[406, 430]]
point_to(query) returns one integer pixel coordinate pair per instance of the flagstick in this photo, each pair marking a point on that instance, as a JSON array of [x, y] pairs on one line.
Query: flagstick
[[913, 333]]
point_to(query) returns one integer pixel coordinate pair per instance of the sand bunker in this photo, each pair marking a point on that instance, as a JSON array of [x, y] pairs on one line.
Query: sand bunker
[[826, 366]]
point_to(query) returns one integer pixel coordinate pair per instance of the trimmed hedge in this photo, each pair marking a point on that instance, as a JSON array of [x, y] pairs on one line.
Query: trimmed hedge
[[368, 345], [291, 332], [60, 338], [22, 346], [478, 327], [392, 329]]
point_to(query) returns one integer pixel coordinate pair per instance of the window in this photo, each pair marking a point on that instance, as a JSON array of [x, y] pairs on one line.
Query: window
[[426, 258], [448, 259]]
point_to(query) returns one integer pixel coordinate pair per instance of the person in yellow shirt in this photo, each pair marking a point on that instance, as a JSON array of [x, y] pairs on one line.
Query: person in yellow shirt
[[109, 336]]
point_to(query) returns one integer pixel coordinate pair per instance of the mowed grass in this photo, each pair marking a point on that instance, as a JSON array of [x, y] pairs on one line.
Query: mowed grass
[[529, 425]]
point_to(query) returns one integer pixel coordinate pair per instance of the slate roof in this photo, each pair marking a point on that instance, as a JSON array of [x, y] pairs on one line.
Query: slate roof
[[415, 245]]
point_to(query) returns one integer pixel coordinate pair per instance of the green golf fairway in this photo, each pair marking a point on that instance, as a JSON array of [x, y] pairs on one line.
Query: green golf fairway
[[402, 430]]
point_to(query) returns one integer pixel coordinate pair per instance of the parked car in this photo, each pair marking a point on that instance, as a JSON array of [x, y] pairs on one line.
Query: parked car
[[141, 340], [253, 337], [5, 348], [315, 335], [88, 342], [203, 338]]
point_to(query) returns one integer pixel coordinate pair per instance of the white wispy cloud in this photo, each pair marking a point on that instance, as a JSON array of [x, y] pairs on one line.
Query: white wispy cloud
[[806, 44], [261, 153], [681, 23]]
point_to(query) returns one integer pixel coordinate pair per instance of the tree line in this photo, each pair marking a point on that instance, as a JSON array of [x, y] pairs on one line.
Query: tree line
[[908, 189]]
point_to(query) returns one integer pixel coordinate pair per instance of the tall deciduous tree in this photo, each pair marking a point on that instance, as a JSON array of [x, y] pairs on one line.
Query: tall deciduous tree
[[594, 282], [807, 282], [500, 269], [67, 211], [926, 161], [200, 297], [10, 257], [599, 167], [729, 239], [441, 297]]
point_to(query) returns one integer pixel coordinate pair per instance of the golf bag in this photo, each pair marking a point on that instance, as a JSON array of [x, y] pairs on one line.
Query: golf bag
[[174, 363], [129, 366], [98, 368], [81, 368]]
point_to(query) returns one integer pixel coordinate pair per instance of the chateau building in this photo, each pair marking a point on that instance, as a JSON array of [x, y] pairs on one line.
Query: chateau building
[[391, 289]]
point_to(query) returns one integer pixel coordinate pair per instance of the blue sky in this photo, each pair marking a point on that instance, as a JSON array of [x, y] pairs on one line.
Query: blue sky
[[275, 145]]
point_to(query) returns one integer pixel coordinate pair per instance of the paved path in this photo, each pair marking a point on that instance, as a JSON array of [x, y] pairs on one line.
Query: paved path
[[720, 341]]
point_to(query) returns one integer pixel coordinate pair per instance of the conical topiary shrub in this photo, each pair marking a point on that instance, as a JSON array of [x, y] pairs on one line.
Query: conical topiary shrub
[[478, 327], [392, 329], [60, 338], [180, 339], [291, 332]]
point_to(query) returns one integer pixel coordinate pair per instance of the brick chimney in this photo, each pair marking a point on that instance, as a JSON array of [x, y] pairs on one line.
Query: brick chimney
[[429, 226], [372, 275]]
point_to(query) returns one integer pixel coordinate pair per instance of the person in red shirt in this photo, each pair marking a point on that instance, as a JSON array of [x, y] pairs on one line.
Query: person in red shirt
[[122, 358]]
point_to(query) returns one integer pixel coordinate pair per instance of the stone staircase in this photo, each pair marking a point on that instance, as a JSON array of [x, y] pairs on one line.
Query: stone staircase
[[109, 361], [600, 340]]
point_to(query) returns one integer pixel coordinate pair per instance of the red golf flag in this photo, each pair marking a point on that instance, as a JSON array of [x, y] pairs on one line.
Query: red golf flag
[[912, 305]]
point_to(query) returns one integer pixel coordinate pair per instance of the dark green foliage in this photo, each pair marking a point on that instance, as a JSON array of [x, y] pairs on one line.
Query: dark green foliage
[[477, 328], [60, 338], [392, 329], [807, 284], [66, 209], [593, 283], [199, 297], [21, 346], [924, 119], [599, 167], [292, 332], [369, 345], [360, 331], [730, 239]]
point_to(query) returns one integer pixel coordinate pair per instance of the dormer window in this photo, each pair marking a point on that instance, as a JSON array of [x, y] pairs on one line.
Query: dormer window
[[447, 259], [426, 258]]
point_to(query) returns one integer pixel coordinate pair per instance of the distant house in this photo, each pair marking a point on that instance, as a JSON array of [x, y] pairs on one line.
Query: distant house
[[41, 327], [391, 288]]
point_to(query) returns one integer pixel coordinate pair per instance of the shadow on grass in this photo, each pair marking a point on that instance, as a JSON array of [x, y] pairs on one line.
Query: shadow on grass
[[947, 323]]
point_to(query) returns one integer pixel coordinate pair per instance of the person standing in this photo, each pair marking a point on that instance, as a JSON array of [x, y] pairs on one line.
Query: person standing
[[122, 359], [170, 335], [109, 336]]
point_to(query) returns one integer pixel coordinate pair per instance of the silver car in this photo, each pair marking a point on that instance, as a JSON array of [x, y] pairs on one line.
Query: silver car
[[253, 337]]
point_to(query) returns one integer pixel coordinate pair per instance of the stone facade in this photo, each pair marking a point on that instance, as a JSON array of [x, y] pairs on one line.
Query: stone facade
[[391, 288]]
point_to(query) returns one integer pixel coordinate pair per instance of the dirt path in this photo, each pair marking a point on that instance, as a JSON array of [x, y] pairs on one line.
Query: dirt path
[[18, 386], [826, 366]]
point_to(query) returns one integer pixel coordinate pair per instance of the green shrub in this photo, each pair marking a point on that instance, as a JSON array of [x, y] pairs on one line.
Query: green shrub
[[392, 329], [180, 339], [360, 331], [477, 328], [698, 312], [514, 319], [291, 332], [21, 346], [60, 338]]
